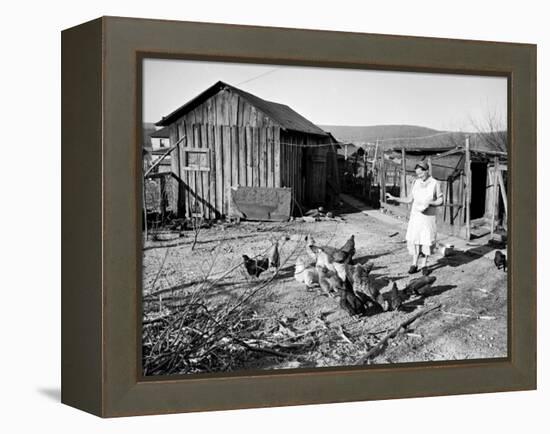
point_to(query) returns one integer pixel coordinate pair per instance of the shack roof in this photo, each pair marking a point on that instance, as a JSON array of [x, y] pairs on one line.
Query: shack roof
[[483, 143], [282, 114], [163, 133]]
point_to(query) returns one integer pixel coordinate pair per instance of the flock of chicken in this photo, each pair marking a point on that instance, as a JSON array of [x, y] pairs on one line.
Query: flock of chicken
[[333, 271]]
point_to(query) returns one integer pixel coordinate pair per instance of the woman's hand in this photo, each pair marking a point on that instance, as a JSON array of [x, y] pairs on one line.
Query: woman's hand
[[389, 196]]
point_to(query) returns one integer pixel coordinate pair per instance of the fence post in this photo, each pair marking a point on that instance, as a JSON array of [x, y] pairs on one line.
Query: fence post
[[403, 174], [495, 194], [468, 173], [143, 196]]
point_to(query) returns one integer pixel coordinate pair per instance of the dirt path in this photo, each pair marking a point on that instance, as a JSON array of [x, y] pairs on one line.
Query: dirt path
[[470, 324]]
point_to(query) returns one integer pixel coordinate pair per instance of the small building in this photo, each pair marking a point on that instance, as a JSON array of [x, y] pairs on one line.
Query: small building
[[473, 181], [226, 137]]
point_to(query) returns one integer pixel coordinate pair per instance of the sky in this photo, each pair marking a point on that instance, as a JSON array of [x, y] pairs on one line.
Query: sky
[[332, 96]]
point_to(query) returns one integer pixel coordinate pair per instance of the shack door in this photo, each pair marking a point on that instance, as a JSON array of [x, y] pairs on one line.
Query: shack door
[[315, 179]]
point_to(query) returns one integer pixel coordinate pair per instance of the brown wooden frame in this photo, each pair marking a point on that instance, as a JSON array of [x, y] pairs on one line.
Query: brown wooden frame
[[101, 218]]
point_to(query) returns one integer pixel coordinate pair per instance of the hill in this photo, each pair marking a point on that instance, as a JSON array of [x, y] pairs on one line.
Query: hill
[[416, 137], [363, 134]]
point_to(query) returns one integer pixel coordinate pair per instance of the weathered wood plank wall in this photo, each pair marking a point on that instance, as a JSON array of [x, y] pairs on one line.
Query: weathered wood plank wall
[[243, 147], [235, 156]]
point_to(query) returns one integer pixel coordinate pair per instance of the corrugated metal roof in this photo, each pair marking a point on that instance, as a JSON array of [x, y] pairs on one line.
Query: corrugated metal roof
[[281, 114]]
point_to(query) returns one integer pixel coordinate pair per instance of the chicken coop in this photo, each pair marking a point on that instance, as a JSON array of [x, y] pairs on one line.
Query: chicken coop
[[473, 176], [227, 138]]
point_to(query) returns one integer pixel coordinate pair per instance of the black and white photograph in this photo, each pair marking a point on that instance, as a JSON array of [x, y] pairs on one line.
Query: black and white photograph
[[307, 217]]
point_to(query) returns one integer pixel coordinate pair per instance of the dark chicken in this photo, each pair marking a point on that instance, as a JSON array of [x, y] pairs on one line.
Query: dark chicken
[[351, 303], [500, 260], [255, 267], [420, 286], [395, 298], [274, 258], [362, 283], [346, 252]]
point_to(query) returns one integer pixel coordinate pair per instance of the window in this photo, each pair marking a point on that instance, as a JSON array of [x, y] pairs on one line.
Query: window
[[196, 159]]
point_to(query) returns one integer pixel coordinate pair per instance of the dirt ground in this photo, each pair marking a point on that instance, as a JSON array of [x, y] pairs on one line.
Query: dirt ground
[[471, 322]]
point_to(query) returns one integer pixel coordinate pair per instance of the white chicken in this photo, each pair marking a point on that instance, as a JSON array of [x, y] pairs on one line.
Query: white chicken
[[306, 274]]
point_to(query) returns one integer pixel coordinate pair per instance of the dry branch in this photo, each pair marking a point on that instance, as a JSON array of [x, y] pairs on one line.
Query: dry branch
[[374, 350]]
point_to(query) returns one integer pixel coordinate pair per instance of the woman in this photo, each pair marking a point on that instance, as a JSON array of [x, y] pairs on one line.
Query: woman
[[425, 196]]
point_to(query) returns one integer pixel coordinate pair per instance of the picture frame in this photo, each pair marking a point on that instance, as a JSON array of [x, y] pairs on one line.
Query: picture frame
[[101, 218]]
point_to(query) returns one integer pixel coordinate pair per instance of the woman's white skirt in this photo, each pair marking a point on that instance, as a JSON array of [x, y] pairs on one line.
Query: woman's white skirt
[[422, 231]]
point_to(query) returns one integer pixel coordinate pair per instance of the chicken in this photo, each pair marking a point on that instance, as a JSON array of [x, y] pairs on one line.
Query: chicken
[[420, 285], [324, 281], [329, 279], [341, 270], [395, 298], [255, 267], [348, 249], [351, 303], [306, 274], [362, 282], [310, 242], [274, 258], [500, 260], [327, 255], [365, 299]]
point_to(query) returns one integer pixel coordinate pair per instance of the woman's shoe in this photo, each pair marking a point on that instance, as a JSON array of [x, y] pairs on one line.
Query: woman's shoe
[[413, 269], [426, 271]]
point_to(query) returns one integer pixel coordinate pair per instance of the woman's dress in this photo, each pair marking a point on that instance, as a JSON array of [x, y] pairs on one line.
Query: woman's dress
[[422, 229]]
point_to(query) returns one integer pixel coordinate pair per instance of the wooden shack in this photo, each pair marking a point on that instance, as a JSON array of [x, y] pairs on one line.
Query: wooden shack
[[226, 137], [473, 178]]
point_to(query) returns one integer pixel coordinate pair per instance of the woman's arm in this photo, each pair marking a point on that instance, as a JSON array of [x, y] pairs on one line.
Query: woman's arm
[[407, 200], [399, 199], [438, 201]]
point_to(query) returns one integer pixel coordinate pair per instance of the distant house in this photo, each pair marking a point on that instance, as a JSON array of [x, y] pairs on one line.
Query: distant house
[[160, 141], [227, 137], [146, 144]]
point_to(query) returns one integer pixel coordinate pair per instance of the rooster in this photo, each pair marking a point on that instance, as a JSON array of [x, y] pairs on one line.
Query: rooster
[[306, 274], [500, 260], [420, 285], [255, 267]]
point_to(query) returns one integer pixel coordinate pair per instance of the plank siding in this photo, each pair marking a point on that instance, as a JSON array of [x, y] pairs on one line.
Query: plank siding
[[218, 152], [269, 142], [234, 156], [255, 158], [277, 157], [206, 175], [262, 162], [249, 159], [242, 156], [245, 147], [226, 145], [212, 174]]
